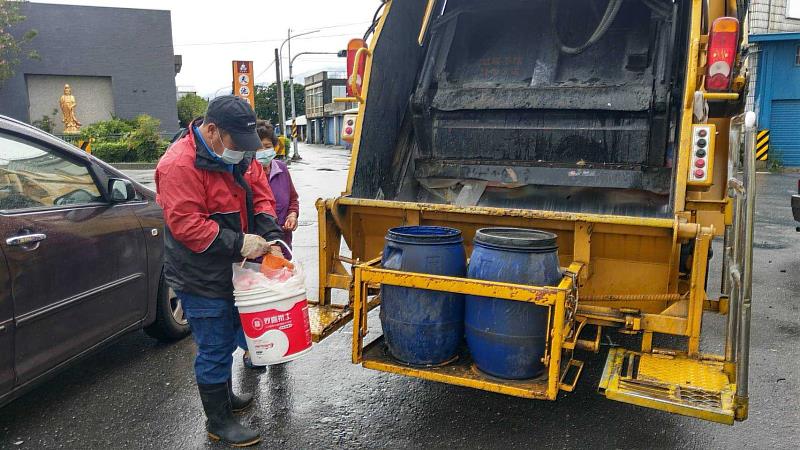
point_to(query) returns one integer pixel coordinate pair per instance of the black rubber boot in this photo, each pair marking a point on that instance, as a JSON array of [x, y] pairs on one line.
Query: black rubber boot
[[241, 402], [221, 424]]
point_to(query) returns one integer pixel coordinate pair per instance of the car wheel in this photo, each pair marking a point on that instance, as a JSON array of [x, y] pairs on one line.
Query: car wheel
[[170, 324]]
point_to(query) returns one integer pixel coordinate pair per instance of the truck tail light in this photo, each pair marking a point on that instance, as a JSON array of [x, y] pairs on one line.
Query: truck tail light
[[355, 75], [722, 43]]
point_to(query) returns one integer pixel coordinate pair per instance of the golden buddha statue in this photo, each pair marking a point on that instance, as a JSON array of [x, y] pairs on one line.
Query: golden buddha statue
[[68, 104]]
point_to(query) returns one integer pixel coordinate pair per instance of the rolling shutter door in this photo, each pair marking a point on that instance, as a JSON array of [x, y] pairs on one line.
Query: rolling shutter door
[[784, 132]]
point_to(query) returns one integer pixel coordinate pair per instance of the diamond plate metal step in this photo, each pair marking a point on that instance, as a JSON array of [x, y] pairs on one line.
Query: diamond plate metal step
[[673, 383]]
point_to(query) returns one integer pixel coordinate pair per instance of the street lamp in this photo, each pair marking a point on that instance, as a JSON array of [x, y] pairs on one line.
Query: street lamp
[[296, 155], [216, 93], [280, 70]]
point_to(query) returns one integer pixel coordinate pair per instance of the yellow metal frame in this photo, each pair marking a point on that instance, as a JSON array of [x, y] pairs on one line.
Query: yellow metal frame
[[426, 20], [687, 116], [556, 298], [678, 312]]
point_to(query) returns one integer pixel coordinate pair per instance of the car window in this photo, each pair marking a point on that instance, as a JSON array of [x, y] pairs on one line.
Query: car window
[[32, 176]]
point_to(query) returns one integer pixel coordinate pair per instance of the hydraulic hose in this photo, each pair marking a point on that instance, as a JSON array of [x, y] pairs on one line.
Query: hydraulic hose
[[605, 23]]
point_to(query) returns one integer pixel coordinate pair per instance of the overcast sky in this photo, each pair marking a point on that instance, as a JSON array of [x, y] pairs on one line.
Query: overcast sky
[[210, 35]]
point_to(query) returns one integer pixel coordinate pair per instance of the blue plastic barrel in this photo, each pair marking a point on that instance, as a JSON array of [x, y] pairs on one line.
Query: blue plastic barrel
[[422, 327], [506, 338]]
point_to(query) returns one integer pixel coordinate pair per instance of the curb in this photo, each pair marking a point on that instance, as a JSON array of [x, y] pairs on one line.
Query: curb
[[134, 166]]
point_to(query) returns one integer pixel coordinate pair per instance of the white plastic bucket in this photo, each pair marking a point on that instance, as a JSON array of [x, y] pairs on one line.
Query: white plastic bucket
[[275, 321]]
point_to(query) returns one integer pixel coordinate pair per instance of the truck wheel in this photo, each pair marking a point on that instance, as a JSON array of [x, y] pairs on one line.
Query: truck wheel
[[170, 324]]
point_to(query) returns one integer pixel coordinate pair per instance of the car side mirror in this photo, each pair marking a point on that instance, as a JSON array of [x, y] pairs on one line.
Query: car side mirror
[[121, 190]]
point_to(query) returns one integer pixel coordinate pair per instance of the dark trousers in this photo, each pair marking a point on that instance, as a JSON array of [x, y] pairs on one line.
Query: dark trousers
[[215, 327]]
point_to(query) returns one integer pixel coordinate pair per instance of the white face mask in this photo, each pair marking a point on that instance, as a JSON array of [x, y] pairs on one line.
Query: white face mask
[[229, 156], [265, 156]]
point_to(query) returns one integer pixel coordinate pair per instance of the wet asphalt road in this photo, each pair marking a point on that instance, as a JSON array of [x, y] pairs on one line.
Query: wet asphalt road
[[138, 393]]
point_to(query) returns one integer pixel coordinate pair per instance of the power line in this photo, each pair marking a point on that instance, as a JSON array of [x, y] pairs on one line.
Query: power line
[[261, 41], [264, 71], [336, 26]]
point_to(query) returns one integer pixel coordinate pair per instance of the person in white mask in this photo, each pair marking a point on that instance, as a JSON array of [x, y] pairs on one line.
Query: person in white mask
[[218, 209]]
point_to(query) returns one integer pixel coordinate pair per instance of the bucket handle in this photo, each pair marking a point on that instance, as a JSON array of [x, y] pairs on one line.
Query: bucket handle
[[284, 245]]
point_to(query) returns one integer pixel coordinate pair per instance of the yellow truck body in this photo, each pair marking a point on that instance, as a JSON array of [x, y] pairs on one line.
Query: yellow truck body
[[476, 114]]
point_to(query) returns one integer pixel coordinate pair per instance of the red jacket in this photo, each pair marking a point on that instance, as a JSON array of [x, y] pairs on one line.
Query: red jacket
[[208, 207]]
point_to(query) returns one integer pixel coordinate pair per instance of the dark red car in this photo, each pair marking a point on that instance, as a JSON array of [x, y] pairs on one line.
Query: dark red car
[[81, 257]]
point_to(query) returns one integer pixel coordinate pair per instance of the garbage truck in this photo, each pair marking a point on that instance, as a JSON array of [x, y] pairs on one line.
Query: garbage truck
[[617, 125]]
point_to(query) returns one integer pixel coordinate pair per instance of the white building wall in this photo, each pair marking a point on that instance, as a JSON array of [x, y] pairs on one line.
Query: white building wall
[[766, 16], [769, 16]]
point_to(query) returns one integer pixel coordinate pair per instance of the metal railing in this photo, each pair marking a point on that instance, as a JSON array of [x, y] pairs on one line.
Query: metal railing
[[738, 252]]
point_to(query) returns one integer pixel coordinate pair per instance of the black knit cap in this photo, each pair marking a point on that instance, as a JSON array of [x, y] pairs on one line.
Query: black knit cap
[[235, 116]]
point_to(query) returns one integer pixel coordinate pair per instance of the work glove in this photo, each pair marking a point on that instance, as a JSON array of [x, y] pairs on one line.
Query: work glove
[[254, 246], [276, 250]]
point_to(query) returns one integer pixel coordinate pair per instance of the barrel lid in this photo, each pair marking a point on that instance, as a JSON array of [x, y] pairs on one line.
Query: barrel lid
[[424, 234], [517, 238]]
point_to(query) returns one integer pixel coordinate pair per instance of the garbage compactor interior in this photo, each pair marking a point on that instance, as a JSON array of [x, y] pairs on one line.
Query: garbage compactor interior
[[526, 104]]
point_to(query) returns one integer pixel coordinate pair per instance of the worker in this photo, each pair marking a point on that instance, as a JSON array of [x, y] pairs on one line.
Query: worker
[[218, 209], [280, 148], [287, 206]]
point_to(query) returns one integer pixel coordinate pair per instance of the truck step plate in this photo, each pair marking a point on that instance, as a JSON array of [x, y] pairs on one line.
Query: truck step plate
[[325, 319], [673, 383]]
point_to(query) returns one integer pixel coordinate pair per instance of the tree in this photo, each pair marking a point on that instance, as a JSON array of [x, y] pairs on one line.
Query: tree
[[267, 101], [12, 47], [190, 107]]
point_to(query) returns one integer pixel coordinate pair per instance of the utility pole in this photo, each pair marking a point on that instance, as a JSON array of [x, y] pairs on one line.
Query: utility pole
[[281, 109], [295, 153]]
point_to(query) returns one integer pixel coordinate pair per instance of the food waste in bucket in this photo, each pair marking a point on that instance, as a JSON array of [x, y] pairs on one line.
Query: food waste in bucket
[[273, 309]]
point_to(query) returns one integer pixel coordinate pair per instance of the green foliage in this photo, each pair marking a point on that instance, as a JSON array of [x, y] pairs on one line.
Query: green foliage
[[267, 101], [113, 151], [144, 140], [119, 140], [46, 123], [12, 47], [108, 129], [190, 107]]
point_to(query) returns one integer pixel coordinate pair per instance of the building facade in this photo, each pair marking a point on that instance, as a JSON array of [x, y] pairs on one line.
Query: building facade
[[324, 116], [119, 62], [774, 72]]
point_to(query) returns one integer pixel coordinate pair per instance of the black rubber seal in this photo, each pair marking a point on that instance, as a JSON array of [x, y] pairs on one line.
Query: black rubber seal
[[519, 239]]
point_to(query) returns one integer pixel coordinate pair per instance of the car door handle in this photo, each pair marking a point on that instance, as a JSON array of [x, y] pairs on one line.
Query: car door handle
[[26, 239]]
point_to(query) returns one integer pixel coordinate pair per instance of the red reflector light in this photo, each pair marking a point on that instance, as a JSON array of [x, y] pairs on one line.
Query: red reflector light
[[722, 44], [348, 130]]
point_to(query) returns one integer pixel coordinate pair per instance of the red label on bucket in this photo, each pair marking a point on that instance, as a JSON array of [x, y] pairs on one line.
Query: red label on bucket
[[272, 331]]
